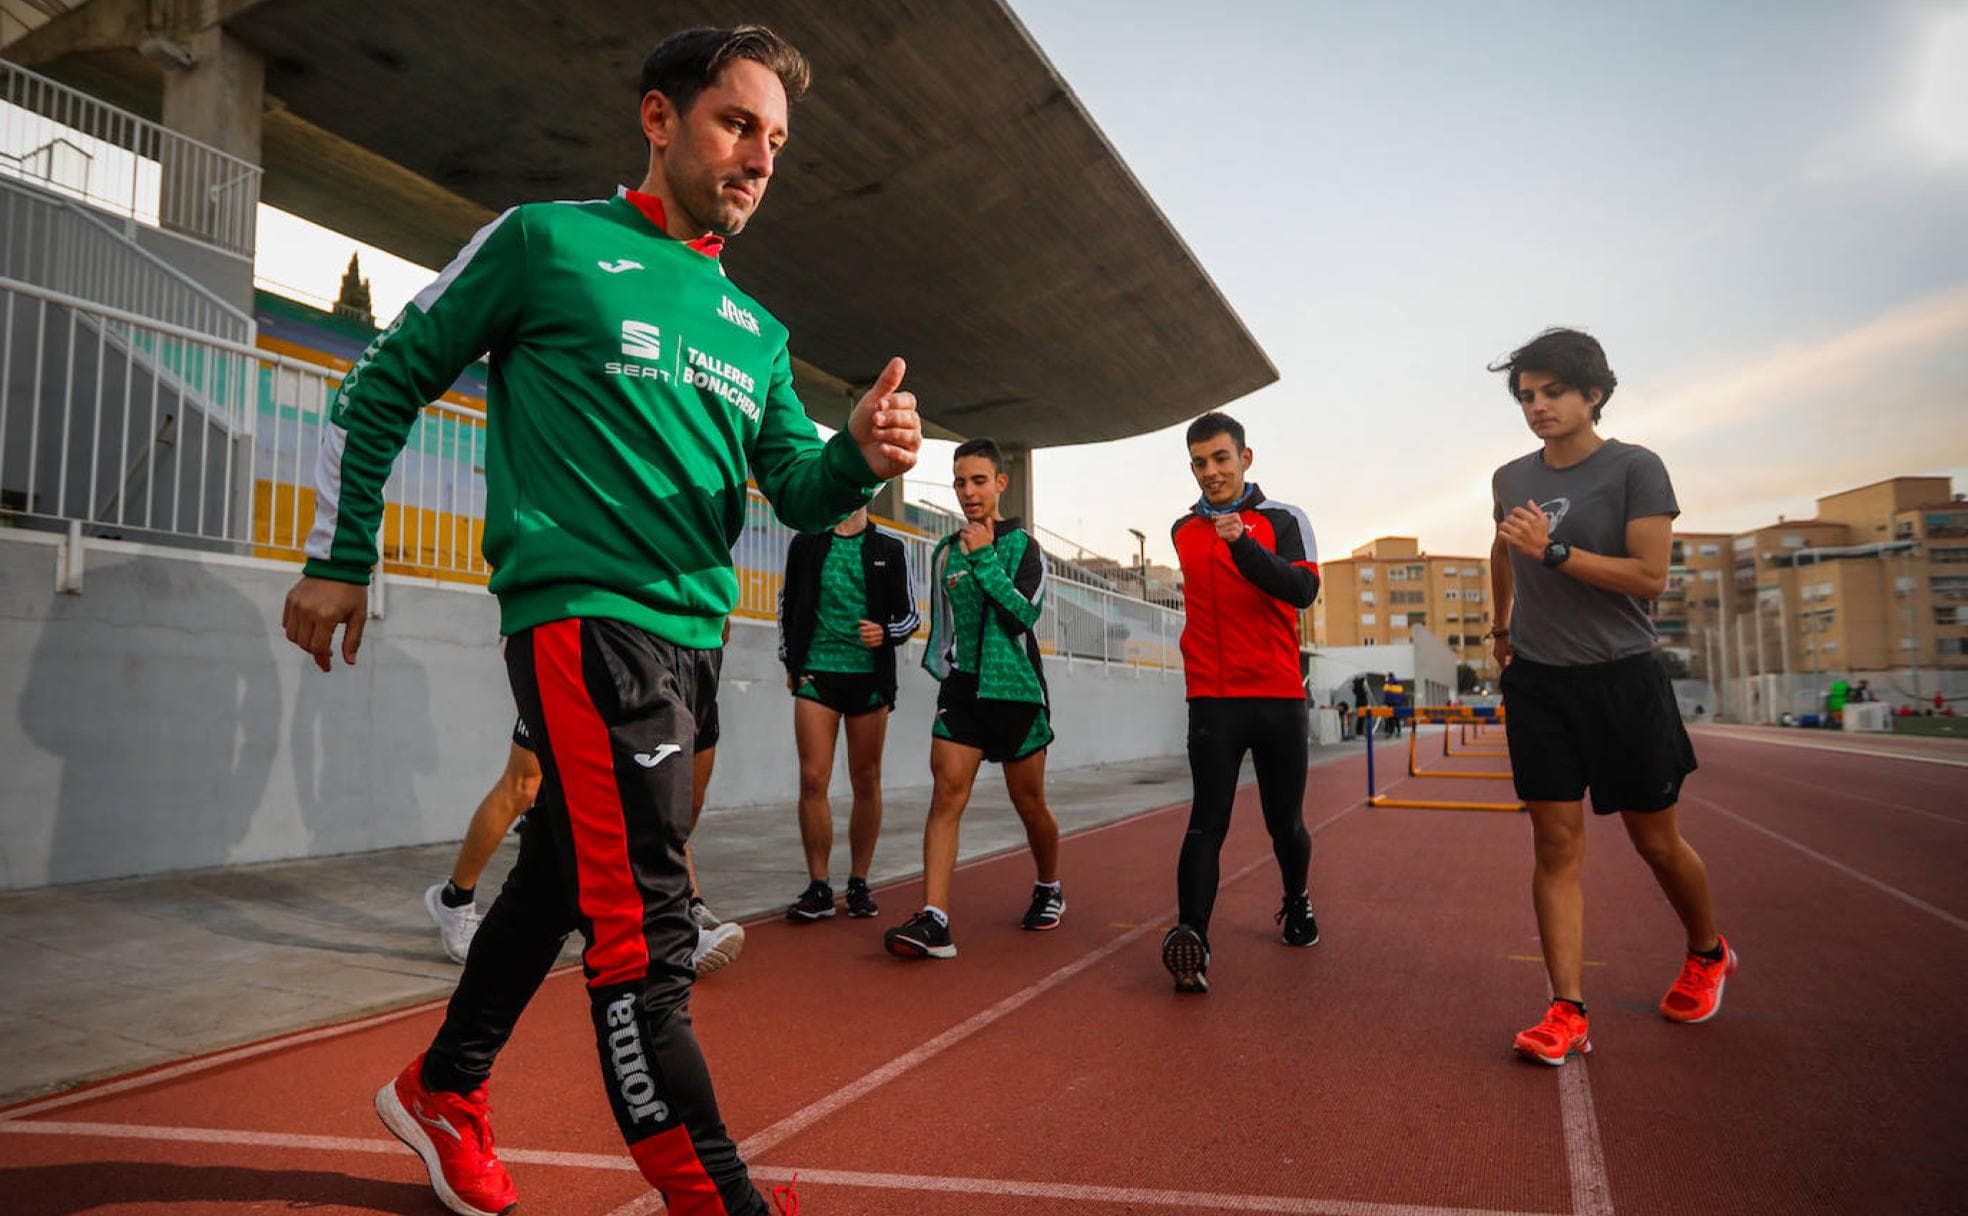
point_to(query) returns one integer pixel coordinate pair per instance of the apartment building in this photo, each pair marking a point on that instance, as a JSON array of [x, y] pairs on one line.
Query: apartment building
[[1689, 613], [1386, 587], [1876, 581]]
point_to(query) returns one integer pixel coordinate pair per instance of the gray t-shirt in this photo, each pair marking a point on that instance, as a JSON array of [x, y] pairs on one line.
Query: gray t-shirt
[[1559, 619]]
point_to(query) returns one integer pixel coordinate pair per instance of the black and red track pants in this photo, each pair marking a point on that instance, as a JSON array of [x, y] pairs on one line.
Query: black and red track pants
[[614, 712]]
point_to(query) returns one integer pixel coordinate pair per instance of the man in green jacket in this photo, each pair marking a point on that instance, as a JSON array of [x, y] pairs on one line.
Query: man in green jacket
[[632, 390], [987, 583]]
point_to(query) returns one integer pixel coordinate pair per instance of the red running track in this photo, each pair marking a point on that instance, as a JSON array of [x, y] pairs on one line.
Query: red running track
[[1367, 1076]]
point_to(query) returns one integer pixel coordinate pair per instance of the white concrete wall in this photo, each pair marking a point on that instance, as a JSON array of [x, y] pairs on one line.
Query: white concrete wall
[[160, 721]]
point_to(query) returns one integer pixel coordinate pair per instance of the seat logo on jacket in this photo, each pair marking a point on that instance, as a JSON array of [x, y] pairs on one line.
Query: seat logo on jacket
[[640, 340]]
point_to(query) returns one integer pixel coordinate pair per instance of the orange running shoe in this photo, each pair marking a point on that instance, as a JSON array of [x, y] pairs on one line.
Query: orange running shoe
[[1697, 992], [1562, 1032]]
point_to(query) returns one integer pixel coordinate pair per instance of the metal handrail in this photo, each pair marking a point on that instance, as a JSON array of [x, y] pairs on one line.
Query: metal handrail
[[161, 177], [70, 249], [131, 423]]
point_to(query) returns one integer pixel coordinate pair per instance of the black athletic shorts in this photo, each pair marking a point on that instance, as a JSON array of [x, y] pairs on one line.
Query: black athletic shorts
[[1003, 730], [847, 695], [1611, 728]]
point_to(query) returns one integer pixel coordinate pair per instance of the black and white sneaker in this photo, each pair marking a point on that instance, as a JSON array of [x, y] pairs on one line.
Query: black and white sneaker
[[860, 900], [1048, 905], [1301, 928], [1186, 955], [814, 903], [921, 936]]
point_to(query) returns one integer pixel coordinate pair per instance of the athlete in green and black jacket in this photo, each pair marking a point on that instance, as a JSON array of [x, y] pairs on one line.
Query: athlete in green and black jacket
[[987, 588], [632, 389]]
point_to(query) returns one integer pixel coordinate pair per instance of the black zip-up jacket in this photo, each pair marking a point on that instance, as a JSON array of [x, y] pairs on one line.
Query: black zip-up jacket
[[891, 601]]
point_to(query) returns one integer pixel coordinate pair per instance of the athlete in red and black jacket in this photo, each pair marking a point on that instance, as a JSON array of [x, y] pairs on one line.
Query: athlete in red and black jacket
[[1248, 565]]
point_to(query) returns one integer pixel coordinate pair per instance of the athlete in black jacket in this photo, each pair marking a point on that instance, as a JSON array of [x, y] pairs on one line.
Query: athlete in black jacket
[[845, 606]]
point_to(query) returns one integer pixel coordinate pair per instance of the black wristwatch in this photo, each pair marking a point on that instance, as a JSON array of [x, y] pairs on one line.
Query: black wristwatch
[[1556, 553]]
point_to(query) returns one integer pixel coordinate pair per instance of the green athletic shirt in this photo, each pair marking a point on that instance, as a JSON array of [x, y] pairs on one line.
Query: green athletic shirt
[[631, 389], [983, 606], [836, 645]]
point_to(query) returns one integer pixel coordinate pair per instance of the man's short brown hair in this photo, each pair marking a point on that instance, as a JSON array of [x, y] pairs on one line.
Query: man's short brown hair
[[687, 62]]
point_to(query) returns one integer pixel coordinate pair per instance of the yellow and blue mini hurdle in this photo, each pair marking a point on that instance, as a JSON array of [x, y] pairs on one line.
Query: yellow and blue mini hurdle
[[1419, 715]]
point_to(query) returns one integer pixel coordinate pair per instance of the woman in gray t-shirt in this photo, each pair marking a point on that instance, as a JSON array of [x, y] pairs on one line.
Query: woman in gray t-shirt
[[1584, 528]]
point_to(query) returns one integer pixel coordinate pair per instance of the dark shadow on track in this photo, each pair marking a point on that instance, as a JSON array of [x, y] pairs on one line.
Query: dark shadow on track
[[65, 1190]]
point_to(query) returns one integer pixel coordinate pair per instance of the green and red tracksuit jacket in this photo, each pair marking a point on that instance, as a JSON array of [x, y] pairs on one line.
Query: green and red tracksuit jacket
[[631, 390], [1241, 601]]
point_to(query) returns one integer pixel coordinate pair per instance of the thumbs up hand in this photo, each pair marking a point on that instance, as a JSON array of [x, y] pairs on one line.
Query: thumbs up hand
[[886, 426]]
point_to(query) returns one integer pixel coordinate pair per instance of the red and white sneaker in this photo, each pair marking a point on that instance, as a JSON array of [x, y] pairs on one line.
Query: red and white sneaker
[[453, 1134], [1562, 1032], [1697, 992]]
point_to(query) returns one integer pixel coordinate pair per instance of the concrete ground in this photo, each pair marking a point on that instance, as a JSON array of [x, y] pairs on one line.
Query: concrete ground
[[104, 978]]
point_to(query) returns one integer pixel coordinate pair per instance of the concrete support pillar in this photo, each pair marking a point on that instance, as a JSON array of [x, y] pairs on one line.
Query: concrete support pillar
[[887, 503], [1017, 501], [218, 100]]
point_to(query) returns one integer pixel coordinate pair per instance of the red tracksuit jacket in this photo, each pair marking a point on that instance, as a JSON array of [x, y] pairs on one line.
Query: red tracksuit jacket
[[1240, 638]]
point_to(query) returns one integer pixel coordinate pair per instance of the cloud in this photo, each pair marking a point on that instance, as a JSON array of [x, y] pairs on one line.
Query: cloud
[[1877, 350], [1937, 107]]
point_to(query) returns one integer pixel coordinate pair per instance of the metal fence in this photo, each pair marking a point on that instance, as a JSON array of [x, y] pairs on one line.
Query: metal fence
[[74, 144], [152, 431], [1076, 620], [47, 241]]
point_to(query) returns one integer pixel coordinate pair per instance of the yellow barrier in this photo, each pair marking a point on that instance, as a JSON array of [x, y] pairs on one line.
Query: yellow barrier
[[1414, 769], [1448, 715], [1424, 805], [1464, 730]]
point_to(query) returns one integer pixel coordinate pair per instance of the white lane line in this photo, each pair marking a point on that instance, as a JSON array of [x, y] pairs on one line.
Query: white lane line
[[1844, 795], [248, 1051], [1208, 1201], [1585, 1155], [218, 1060], [1833, 747], [290, 1140], [1079, 1192], [761, 1142], [1883, 887], [764, 1141]]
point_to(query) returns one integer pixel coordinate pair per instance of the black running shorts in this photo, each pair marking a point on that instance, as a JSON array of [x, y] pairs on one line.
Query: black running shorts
[[847, 695], [1003, 730], [1611, 728]]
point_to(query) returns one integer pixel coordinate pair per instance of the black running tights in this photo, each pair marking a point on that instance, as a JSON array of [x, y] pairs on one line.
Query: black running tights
[[1221, 730]]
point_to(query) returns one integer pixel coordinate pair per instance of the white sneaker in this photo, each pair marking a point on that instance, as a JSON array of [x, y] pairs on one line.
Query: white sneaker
[[717, 948], [455, 925], [703, 916]]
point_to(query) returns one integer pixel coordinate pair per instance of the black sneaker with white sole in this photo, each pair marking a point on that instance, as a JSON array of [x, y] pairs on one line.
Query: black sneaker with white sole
[[1186, 955], [1301, 928], [860, 900], [1048, 905], [814, 903], [921, 936]]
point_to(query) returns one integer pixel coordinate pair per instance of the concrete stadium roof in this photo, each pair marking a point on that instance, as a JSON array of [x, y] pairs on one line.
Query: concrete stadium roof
[[944, 197]]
